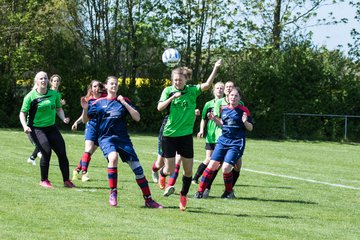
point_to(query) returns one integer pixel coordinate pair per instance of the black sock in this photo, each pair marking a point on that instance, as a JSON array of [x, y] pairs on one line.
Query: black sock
[[199, 171], [186, 182], [162, 173], [236, 175]]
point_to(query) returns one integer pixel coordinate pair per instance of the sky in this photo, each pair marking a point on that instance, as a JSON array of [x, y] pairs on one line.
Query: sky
[[334, 35]]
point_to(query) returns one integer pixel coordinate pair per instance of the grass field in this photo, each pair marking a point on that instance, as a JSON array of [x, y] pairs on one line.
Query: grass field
[[287, 190]]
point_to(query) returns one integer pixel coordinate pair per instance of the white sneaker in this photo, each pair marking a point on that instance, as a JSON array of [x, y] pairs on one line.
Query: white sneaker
[[39, 155], [168, 191], [85, 177], [155, 177], [31, 161]]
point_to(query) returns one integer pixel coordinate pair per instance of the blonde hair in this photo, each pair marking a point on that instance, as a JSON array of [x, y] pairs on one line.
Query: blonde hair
[[184, 71], [37, 76], [217, 84], [111, 77]]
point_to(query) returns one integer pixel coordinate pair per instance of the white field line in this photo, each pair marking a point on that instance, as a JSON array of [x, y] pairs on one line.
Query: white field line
[[301, 179]]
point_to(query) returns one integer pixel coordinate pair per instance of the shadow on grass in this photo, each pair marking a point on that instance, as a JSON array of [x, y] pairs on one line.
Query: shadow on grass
[[276, 200], [191, 210], [261, 186]]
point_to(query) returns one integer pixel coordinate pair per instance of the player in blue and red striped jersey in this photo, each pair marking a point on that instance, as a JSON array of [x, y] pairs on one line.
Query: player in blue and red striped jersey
[[114, 140], [94, 92], [235, 121]]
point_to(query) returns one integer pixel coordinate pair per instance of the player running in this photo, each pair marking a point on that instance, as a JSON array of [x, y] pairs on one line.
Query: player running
[[114, 140]]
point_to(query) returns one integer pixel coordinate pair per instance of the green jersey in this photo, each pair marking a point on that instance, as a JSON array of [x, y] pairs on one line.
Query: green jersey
[[181, 110], [41, 108], [210, 125], [217, 112]]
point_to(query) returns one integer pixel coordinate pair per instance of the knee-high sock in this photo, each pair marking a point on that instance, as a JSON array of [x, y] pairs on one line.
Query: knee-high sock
[[78, 168], [236, 175], [144, 186], [228, 181], [186, 182], [212, 179], [112, 177], [85, 160], [199, 171], [205, 179], [174, 176]]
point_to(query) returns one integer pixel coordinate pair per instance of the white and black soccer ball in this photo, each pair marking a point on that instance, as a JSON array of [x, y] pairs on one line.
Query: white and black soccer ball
[[171, 57]]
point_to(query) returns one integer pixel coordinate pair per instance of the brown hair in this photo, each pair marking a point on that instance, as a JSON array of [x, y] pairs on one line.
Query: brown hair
[[186, 72], [89, 93], [54, 76]]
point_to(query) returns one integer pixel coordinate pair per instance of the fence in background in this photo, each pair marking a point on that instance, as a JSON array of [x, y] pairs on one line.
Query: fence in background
[[345, 117]]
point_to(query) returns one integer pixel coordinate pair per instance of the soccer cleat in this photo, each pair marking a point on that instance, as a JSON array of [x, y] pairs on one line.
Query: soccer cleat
[[46, 183], [85, 177], [31, 161], [206, 193], [198, 195], [168, 191], [194, 181], [76, 175], [39, 155], [162, 181], [183, 201], [69, 184], [155, 176], [113, 198], [153, 204], [228, 195]]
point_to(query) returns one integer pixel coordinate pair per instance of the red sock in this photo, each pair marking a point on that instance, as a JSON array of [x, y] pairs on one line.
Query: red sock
[[85, 160], [173, 177], [154, 168], [112, 177], [207, 175], [228, 181], [144, 186]]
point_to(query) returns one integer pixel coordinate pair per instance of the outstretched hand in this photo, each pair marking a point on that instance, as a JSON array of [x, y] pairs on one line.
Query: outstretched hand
[[244, 117], [218, 63], [84, 103]]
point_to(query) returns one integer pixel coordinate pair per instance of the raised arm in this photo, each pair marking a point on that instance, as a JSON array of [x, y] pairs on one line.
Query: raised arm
[[135, 115], [206, 85], [85, 107]]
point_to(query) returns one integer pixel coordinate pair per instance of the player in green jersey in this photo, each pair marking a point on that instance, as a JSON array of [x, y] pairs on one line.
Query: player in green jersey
[[37, 116], [180, 102]]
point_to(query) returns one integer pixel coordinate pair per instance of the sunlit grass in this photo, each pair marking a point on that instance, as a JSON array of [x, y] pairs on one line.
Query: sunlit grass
[[267, 206]]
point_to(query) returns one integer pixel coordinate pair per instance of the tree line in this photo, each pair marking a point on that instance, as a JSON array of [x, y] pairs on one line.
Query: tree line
[[266, 47]]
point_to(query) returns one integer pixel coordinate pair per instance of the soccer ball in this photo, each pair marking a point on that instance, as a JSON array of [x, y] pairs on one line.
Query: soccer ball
[[171, 57]]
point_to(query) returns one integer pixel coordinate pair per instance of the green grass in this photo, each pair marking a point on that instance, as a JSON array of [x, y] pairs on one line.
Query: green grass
[[296, 202]]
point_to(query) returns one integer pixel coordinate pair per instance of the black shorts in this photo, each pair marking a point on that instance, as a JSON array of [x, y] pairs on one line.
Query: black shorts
[[210, 146], [182, 145]]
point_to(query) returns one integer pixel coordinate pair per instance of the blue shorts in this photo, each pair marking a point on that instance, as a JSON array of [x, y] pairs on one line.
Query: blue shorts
[[229, 153], [116, 144], [91, 133]]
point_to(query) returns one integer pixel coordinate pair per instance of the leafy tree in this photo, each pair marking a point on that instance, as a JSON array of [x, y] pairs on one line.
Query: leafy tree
[[269, 22], [354, 51]]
